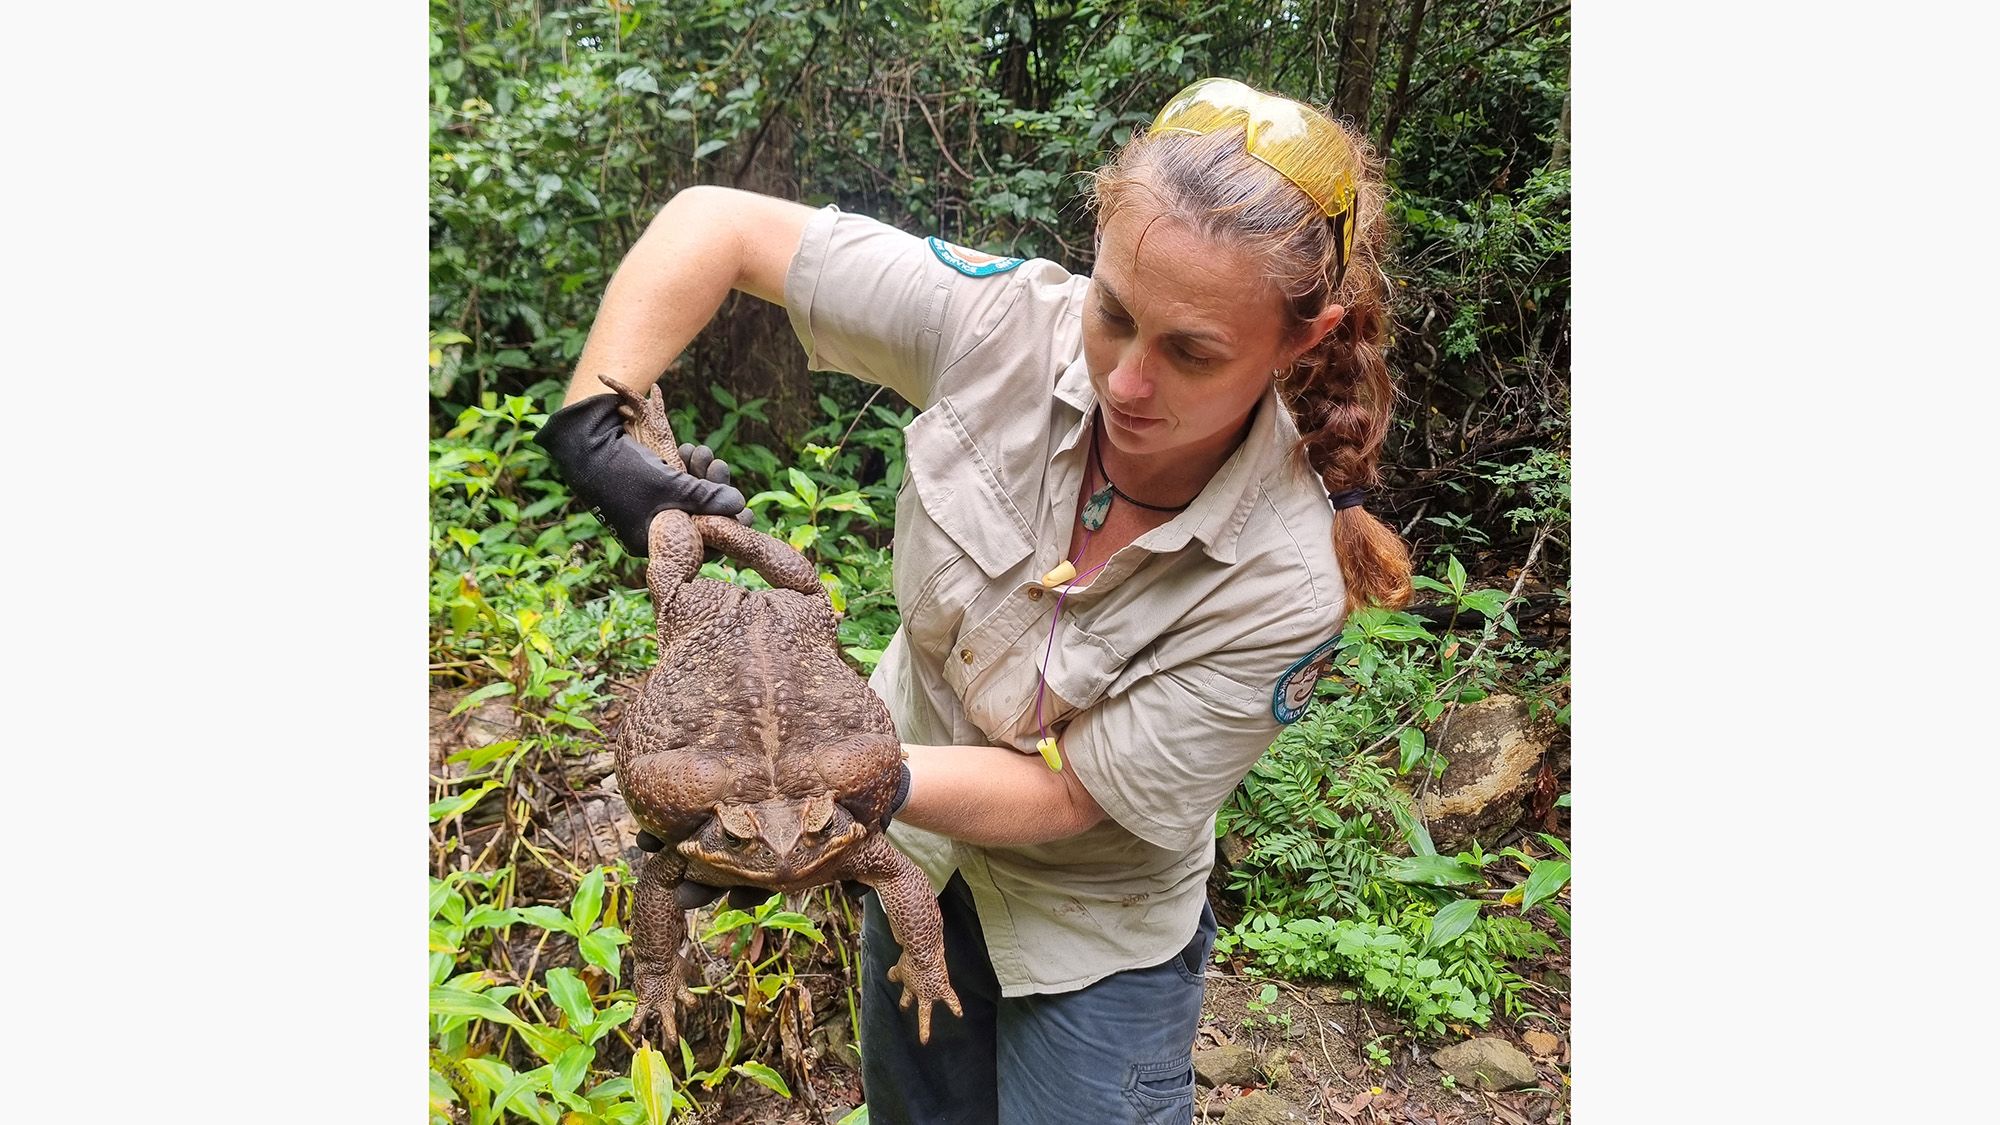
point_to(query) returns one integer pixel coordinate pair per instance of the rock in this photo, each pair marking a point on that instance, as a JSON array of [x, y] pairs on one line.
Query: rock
[[1541, 1042], [1262, 1109], [607, 823], [1278, 1067], [1327, 994], [482, 725], [1227, 1066], [1494, 754], [835, 1040], [1233, 849], [1487, 1063]]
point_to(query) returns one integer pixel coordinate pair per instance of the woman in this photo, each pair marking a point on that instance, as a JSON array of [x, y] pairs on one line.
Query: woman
[[1130, 530]]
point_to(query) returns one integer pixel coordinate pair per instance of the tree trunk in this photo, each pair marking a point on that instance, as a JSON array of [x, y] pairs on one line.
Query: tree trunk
[[1412, 34], [1560, 156], [1358, 50]]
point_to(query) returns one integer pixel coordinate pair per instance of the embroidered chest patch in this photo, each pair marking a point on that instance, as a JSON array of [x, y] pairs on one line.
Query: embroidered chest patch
[[1295, 687], [971, 263]]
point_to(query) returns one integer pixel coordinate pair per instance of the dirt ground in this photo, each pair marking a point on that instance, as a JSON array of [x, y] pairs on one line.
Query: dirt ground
[[1314, 1047]]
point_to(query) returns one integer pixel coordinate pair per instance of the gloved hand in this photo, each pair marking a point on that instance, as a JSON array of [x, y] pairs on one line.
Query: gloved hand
[[623, 482]]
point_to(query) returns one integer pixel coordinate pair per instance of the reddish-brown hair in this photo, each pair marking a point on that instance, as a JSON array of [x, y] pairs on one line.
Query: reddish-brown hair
[[1339, 391]]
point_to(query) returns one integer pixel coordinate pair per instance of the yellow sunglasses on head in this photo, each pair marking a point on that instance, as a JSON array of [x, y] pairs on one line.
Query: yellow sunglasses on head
[[1301, 143]]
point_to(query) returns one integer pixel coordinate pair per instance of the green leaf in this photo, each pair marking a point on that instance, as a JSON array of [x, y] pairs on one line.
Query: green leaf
[[480, 696], [1487, 602], [858, 1116], [726, 921], [795, 922], [453, 806], [1452, 921], [1454, 573], [1555, 842], [457, 1002], [547, 917], [589, 901], [784, 500], [763, 1074], [803, 485], [568, 1071], [1546, 879], [652, 1085], [600, 948], [708, 146], [1435, 870], [1560, 915], [1411, 742], [572, 997]]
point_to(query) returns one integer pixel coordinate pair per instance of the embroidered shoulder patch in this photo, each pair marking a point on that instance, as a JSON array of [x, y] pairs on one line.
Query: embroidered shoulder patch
[[1295, 687], [971, 263]]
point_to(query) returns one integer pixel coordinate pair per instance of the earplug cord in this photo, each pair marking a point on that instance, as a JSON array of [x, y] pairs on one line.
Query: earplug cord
[[1046, 744]]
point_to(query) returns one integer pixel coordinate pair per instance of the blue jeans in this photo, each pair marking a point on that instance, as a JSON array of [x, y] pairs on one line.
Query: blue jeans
[[1113, 1052]]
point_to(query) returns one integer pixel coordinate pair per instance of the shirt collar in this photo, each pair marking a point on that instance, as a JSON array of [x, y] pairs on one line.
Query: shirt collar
[[1217, 515]]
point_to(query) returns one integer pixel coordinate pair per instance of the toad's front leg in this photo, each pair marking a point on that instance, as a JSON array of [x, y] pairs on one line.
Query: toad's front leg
[[658, 929], [911, 906]]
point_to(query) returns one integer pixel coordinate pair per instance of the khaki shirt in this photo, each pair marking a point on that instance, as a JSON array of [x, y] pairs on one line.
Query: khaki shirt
[[1161, 678]]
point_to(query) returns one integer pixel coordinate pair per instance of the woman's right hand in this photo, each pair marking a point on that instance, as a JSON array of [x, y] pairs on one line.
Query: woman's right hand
[[623, 482]]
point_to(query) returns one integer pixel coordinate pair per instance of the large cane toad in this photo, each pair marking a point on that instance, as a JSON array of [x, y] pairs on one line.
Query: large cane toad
[[755, 753]]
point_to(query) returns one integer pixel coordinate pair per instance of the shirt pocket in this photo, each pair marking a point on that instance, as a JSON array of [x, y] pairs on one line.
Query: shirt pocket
[[956, 530], [1001, 699]]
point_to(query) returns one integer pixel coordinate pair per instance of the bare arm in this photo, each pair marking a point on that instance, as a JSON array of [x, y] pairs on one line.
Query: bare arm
[[705, 242], [993, 796]]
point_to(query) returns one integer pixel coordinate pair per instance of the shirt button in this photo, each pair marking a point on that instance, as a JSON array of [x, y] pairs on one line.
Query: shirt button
[[965, 654], [1034, 593]]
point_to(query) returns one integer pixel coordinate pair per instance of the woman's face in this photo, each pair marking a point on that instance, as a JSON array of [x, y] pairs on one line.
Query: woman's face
[[1180, 333]]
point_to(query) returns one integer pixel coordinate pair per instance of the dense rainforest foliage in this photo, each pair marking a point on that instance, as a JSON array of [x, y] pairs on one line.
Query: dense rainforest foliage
[[558, 132]]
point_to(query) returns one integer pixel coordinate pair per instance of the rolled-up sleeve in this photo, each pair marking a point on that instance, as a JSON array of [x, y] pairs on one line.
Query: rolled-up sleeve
[[877, 303], [1162, 755]]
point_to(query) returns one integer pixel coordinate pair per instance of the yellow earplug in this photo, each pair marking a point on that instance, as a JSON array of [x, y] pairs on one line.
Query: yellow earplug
[[1050, 755], [1060, 574]]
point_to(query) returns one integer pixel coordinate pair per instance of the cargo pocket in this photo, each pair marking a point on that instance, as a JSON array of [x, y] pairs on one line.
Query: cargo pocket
[[1162, 1092]]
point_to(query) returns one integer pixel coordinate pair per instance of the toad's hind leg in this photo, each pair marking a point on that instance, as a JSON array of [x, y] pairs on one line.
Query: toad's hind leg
[[780, 564]]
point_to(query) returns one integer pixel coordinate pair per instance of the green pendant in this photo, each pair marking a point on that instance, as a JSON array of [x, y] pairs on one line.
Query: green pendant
[[1096, 508]]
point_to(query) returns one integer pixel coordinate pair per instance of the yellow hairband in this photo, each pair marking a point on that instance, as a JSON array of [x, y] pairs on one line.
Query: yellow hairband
[[1296, 140]]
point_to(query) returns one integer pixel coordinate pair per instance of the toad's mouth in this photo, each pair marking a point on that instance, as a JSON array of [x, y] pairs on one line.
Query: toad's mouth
[[755, 860]]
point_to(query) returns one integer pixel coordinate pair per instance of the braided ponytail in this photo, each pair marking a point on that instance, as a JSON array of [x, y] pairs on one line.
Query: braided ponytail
[[1339, 391]]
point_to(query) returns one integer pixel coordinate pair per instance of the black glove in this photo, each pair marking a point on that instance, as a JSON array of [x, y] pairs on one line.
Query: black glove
[[623, 482]]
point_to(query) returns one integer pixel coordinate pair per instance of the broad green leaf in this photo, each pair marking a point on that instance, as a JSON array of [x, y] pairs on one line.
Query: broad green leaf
[[1487, 602], [798, 923], [572, 997], [610, 1019], [518, 1095], [442, 892], [1560, 915], [547, 917], [457, 1002], [727, 921], [803, 485], [708, 146], [1452, 921], [1554, 842], [784, 500], [1454, 573], [763, 1074], [568, 1071], [477, 757], [453, 806], [481, 696], [588, 903], [652, 1085], [858, 1116], [1436, 870], [1411, 742], [1547, 878], [600, 948], [492, 918]]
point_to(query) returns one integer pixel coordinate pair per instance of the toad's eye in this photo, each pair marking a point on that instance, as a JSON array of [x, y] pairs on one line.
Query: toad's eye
[[733, 837]]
